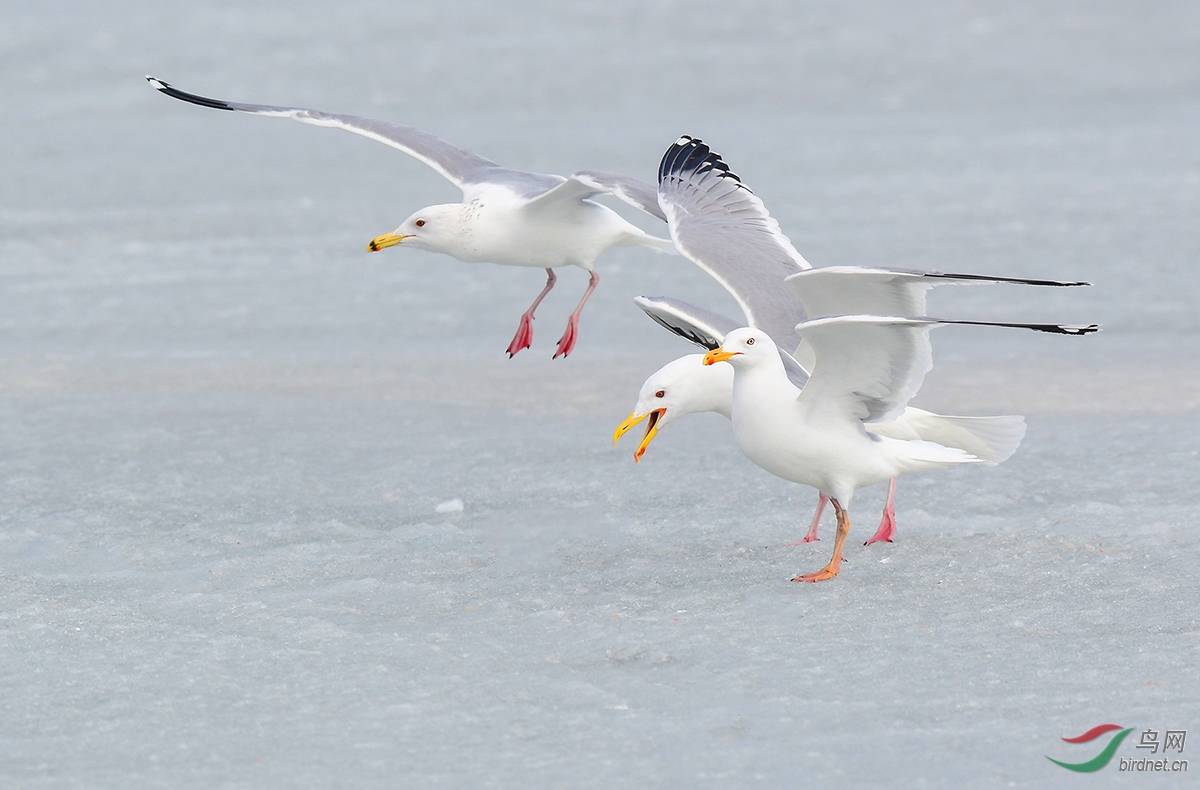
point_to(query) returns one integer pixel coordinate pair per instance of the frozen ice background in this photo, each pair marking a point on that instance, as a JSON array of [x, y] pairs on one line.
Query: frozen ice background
[[231, 440]]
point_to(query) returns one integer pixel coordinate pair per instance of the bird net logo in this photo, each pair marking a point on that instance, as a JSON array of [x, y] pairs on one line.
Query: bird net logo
[[1157, 744]]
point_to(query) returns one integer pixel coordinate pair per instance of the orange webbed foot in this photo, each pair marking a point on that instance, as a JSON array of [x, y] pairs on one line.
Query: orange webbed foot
[[826, 573]]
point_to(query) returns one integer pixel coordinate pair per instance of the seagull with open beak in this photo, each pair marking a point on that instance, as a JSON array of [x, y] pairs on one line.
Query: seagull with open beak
[[819, 435], [684, 386]]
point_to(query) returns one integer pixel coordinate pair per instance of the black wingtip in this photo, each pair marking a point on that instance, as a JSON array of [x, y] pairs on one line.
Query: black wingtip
[[1054, 329], [692, 335], [700, 340], [175, 93], [689, 155], [1014, 280], [1088, 329]]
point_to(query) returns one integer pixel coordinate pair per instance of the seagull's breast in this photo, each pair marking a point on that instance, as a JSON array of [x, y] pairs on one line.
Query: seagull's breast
[[774, 432], [502, 227]]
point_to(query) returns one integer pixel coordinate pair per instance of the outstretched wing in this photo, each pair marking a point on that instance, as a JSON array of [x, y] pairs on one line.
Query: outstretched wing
[[722, 227], [702, 327], [851, 290], [868, 366], [584, 185], [705, 328], [635, 192], [462, 168]]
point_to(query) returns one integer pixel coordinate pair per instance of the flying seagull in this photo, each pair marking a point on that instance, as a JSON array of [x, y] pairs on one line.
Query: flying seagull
[[507, 216]]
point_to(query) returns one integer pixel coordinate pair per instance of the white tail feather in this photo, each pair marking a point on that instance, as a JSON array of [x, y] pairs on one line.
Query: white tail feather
[[990, 439], [918, 455]]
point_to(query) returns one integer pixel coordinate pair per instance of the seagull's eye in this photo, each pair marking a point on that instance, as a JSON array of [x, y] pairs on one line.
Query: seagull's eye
[[660, 394], [749, 341], [420, 223]]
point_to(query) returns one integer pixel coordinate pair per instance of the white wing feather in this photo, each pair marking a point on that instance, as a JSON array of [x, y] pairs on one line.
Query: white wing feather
[[851, 290], [866, 367], [722, 227]]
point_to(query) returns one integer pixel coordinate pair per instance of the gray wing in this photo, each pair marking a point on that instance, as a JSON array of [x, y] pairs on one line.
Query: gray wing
[[635, 192], [722, 227], [848, 290], [702, 327], [705, 328], [462, 168], [582, 186], [869, 366]]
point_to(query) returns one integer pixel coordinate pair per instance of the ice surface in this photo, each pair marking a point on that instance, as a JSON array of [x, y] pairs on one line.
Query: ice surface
[[450, 506], [227, 429]]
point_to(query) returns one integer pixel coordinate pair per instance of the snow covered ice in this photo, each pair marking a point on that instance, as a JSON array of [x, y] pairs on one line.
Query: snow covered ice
[[450, 506], [227, 429]]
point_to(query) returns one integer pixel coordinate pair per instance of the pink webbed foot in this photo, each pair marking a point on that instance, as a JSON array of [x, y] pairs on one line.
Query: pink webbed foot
[[566, 343], [812, 532], [524, 336], [816, 522], [886, 531], [809, 537], [887, 524]]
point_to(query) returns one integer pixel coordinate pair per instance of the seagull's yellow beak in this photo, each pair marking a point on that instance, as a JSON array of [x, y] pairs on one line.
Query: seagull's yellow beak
[[651, 430], [386, 240], [624, 427], [719, 355]]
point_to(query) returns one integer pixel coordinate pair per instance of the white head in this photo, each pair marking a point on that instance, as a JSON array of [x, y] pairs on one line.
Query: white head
[[434, 228], [745, 347], [685, 386]]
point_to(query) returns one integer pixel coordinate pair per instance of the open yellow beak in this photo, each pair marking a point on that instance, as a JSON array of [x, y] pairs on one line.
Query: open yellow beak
[[386, 240], [719, 355], [651, 431], [624, 427]]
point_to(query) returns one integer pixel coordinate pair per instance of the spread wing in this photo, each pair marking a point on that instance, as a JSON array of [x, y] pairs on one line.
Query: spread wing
[[867, 367], [722, 227], [850, 290], [582, 186], [705, 328], [462, 168], [635, 192], [702, 327]]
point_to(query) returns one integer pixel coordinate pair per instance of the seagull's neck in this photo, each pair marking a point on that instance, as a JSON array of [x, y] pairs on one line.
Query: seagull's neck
[[716, 389], [764, 384]]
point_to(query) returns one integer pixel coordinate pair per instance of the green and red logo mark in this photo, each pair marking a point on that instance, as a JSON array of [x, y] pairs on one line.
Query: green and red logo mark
[[1106, 754]]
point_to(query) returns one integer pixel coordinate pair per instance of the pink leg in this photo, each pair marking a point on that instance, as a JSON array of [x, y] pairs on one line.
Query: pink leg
[[816, 522], [524, 336], [887, 526], [566, 343]]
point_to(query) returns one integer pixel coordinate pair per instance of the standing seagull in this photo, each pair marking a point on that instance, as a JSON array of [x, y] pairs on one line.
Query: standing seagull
[[866, 369], [688, 386], [722, 227], [506, 216]]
